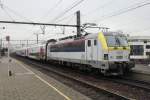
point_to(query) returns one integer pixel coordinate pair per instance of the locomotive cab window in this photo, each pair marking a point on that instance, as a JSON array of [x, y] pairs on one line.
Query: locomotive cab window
[[89, 43], [95, 42]]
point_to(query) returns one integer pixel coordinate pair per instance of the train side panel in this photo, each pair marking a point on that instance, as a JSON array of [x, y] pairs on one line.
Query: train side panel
[[70, 52], [37, 52]]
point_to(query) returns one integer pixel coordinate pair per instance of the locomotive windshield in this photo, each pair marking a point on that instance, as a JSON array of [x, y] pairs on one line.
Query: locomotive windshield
[[114, 40]]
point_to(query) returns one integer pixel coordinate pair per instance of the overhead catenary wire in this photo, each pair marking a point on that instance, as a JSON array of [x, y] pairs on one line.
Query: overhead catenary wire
[[48, 13], [125, 10], [52, 9], [70, 20], [2, 7], [76, 3], [65, 18], [8, 10], [16, 13], [138, 5], [5, 11], [97, 8], [67, 10]]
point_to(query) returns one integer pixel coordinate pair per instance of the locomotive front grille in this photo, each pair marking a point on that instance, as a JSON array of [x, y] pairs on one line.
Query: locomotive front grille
[[119, 57]]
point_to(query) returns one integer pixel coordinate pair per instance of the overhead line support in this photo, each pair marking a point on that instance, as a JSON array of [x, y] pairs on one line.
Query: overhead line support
[[32, 23], [78, 24]]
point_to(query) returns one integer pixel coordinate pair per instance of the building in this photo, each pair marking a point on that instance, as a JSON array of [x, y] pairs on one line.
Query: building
[[140, 48]]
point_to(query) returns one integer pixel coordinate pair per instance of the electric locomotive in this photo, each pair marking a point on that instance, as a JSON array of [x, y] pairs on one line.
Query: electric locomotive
[[107, 52]]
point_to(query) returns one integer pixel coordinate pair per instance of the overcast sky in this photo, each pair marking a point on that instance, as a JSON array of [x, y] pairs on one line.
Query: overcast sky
[[109, 13]]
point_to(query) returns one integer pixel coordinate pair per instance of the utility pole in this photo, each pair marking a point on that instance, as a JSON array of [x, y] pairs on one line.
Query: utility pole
[[27, 43], [78, 24], [37, 36]]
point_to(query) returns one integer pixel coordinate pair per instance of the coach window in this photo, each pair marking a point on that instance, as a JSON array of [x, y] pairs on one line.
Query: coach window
[[89, 43], [148, 53], [145, 41], [147, 46], [137, 49], [95, 42]]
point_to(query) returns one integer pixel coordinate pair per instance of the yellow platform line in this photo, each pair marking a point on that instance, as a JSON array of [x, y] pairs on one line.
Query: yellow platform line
[[54, 88]]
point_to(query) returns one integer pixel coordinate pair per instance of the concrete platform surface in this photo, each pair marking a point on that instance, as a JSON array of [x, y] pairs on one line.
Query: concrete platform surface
[[24, 84], [142, 68]]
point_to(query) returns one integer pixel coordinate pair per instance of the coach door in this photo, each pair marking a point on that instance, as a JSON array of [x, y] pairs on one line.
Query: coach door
[[91, 49]]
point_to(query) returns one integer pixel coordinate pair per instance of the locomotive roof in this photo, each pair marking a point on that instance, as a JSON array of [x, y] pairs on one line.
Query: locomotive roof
[[113, 33], [94, 35], [86, 36]]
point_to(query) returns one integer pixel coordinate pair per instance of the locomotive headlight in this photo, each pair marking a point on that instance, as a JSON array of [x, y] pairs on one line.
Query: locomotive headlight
[[111, 57], [105, 56]]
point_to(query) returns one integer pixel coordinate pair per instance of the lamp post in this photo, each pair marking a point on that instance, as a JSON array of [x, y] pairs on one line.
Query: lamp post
[[0, 50], [1, 42], [9, 60]]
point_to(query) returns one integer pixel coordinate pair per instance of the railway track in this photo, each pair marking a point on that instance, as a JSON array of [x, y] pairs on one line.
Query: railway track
[[138, 83], [132, 82], [120, 88]]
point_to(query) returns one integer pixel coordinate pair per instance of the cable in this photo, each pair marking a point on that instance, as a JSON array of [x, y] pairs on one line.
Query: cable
[[76, 3], [122, 11], [64, 18], [16, 13], [2, 7], [97, 9], [130, 9], [52, 9], [70, 20], [7, 14]]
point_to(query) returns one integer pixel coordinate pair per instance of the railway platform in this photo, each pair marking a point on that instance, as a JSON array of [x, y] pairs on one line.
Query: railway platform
[[25, 84], [142, 68]]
